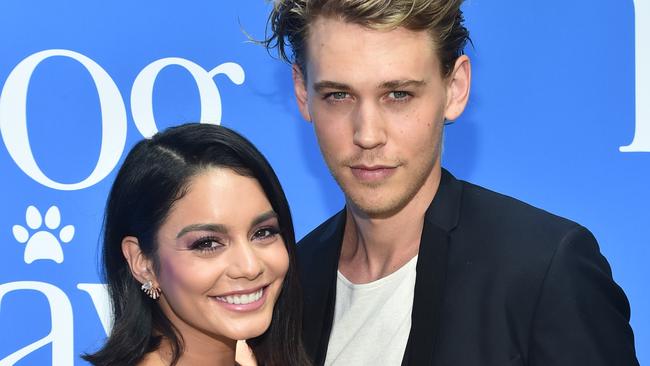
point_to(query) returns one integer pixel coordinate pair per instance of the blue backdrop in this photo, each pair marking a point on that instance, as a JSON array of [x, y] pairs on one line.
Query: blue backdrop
[[559, 116]]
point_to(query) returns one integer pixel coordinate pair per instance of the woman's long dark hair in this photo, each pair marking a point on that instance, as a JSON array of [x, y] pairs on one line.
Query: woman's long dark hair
[[154, 175]]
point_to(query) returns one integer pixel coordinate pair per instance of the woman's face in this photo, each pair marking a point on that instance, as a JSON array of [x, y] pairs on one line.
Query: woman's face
[[222, 258]]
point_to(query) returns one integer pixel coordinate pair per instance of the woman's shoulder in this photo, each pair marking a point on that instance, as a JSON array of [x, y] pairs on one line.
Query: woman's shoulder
[[152, 359]]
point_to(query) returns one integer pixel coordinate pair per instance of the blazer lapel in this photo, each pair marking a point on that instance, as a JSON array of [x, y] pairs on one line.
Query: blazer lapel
[[319, 287], [440, 219]]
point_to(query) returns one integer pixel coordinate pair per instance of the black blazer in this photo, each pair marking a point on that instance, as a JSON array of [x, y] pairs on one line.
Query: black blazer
[[498, 283]]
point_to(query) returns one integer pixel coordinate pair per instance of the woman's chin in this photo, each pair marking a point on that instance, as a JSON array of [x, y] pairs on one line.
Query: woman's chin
[[248, 331]]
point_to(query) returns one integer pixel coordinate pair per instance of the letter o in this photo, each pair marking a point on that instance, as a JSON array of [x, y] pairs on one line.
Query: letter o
[[13, 119]]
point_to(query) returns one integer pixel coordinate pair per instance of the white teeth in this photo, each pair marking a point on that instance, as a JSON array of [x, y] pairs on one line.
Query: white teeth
[[242, 299]]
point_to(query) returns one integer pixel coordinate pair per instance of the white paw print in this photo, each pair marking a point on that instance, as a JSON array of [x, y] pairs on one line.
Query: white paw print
[[43, 244]]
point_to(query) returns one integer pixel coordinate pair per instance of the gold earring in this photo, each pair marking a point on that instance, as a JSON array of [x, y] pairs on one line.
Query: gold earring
[[151, 290]]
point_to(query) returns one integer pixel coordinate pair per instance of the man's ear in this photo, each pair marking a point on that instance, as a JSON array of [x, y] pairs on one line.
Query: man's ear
[[300, 88], [141, 266], [458, 85]]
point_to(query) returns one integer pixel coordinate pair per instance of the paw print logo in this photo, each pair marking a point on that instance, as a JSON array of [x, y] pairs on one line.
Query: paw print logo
[[43, 244]]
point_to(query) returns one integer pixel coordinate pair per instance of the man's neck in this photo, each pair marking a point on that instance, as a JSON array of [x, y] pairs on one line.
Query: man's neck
[[373, 248]]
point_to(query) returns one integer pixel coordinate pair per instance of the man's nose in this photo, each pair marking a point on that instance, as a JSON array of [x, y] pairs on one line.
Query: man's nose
[[369, 126]]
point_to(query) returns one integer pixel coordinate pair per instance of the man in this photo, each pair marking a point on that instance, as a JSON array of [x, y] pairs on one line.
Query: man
[[420, 268]]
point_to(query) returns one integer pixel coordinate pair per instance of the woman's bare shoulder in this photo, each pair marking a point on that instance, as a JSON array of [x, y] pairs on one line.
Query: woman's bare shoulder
[[152, 359]]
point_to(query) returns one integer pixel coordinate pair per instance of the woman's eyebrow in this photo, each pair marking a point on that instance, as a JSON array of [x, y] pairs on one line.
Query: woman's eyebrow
[[263, 217], [202, 227]]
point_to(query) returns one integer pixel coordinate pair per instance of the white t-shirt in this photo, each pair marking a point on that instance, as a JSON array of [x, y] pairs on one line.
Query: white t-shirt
[[372, 321]]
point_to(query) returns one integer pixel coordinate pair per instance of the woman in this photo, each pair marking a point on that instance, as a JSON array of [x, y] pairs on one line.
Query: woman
[[198, 253]]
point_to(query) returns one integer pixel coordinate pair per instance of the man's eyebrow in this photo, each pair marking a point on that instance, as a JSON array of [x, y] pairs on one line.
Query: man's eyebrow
[[387, 85], [263, 217], [326, 84], [397, 84], [202, 227]]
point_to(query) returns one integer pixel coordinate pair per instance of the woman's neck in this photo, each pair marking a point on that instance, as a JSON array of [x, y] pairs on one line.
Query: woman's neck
[[199, 350]]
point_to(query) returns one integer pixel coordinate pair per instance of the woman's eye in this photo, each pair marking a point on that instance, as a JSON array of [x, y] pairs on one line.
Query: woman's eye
[[265, 233], [206, 245]]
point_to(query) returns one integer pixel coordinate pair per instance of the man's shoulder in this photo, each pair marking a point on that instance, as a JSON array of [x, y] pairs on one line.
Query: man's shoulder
[[324, 236], [504, 242], [509, 225], [498, 209]]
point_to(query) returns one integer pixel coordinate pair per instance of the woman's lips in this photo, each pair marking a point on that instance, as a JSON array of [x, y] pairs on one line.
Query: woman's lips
[[243, 302]]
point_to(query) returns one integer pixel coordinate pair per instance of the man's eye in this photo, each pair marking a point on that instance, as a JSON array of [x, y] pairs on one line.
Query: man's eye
[[398, 94], [337, 95]]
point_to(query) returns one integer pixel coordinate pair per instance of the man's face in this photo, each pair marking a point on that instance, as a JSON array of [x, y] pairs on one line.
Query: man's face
[[378, 101]]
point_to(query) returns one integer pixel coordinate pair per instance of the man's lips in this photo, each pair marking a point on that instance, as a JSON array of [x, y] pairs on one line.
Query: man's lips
[[371, 173]]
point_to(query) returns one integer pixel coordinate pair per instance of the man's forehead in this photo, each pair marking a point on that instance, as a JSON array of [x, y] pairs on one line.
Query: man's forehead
[[339, 51], [323, 26]]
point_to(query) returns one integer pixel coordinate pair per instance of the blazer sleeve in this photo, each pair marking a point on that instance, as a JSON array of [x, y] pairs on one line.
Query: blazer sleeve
[[582, 315]]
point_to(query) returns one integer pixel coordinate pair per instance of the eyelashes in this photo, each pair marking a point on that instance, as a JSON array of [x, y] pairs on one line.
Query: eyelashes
[[399, 96], [211, 243], [395, 96], [335, 97], [266, 233], [207, 244]]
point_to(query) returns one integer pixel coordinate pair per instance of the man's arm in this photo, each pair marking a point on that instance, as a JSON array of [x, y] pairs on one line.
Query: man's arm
[[582, 315]]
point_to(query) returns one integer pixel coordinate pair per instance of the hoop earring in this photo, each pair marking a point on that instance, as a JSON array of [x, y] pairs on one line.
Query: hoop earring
[[151, 290]]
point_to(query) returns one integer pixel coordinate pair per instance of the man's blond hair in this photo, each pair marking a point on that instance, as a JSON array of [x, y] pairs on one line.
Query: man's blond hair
[[288, 24]]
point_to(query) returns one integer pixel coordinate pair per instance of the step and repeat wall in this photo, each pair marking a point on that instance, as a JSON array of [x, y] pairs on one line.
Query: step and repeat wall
[[559, 116]]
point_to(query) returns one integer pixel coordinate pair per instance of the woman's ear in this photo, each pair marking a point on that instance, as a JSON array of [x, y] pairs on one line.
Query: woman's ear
[[141, 266]]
